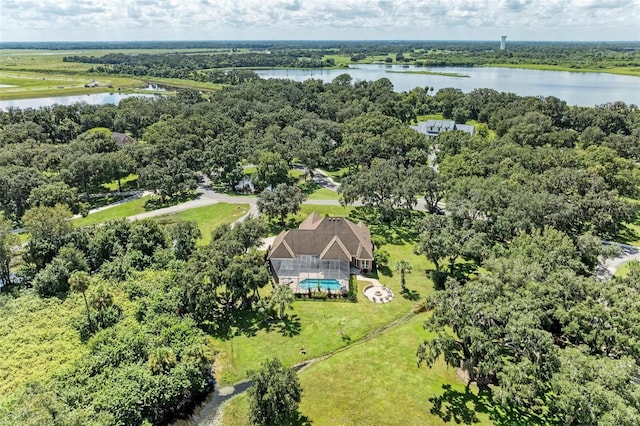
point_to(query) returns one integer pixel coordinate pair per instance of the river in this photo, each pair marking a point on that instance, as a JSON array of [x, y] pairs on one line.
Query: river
[[576, 88]]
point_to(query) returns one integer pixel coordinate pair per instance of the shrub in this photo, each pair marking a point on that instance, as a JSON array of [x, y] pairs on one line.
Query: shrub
[[353, 289], [319, 295]]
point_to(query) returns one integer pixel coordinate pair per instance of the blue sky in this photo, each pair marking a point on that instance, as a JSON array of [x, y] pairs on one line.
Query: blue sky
[[95, 20]]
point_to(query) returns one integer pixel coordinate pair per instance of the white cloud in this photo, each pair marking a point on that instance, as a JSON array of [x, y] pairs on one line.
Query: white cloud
[[318, 19]]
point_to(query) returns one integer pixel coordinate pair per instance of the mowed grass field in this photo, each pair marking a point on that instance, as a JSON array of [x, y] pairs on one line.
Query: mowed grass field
[[127, 209], [378, 382], [208, 218]]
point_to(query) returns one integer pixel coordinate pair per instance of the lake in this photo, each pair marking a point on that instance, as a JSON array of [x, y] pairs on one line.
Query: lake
[[92, 99], [583, 89]]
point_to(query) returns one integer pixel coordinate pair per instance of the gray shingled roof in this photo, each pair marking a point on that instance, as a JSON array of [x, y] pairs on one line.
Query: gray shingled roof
[[435, 127], [320, 236]]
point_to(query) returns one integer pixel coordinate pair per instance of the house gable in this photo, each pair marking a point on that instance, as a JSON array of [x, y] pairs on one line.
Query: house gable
[[335, 250]]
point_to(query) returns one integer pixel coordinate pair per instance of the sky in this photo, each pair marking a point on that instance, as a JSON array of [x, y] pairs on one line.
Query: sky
[[111, 20]]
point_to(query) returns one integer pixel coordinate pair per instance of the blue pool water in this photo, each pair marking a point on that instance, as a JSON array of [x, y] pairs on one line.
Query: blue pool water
[[324, 284]]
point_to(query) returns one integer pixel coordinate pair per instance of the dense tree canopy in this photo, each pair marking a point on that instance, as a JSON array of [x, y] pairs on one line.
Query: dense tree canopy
[[514, 225]]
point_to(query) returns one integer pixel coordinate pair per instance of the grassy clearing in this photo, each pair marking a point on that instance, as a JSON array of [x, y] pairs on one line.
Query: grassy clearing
[[378, 383], [312, 326], [295, 174], [323, 194], [129, 208], [208, 217], [336, 174], [624, 269], [430, 117], [128, 183], [250, 170]]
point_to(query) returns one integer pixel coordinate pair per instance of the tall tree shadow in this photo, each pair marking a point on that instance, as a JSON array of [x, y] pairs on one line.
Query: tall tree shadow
[[290, 326], [236, 322], [301, 421], [462, 407], [410, 294], [456, 406]]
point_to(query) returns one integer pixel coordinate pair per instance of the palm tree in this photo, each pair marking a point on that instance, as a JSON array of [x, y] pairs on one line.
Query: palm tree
[[162, 359], [79, 281], [101, 300], [403, 267], [281, 297]]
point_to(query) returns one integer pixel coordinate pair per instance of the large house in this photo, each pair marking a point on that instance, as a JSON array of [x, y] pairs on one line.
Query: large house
[[322, 252], [433, 128]]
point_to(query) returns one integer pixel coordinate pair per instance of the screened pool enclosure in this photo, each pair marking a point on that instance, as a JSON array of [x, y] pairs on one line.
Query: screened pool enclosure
[[304, 267]]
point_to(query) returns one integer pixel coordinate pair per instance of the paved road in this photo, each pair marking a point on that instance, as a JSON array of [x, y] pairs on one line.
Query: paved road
[[605, 270]]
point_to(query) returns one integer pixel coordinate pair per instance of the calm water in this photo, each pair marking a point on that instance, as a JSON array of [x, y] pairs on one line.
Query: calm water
[[92, 99], [584, 89]]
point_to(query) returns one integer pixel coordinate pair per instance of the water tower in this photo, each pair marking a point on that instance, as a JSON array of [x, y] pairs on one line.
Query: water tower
[[503, 42]]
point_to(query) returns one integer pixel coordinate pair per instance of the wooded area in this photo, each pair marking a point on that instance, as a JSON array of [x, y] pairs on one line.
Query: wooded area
[[513, 225]]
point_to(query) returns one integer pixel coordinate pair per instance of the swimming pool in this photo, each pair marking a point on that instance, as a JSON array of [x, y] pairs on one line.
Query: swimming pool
[[313, 283]]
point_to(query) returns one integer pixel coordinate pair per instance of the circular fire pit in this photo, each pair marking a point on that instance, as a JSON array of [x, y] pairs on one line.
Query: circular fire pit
[[378, 293]]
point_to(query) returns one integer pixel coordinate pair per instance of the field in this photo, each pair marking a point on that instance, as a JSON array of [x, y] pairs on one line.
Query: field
[[129, 208], [39, 84], [378, 383], [37, 74], [208, 218]]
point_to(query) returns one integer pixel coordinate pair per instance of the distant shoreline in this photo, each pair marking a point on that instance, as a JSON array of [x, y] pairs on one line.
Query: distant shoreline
[[446, 74]]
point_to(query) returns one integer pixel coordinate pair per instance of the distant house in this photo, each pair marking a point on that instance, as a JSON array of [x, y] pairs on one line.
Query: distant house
[[122, 139], [322, 252], [433, 128]]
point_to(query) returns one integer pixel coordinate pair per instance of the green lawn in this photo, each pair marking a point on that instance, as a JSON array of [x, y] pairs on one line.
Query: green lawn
[[323, 194], [625, 268], [123, 210], [378, 383], [318, 321], [430, 117], [128, 183], [336, 174], [295, 174], [208, 217], [323, 210]]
